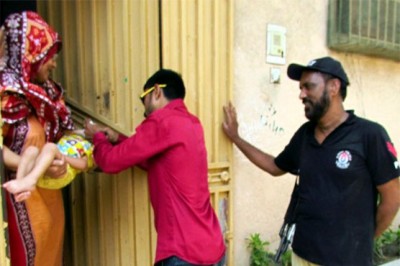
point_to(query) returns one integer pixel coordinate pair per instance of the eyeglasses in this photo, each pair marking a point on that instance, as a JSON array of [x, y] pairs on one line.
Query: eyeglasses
[[150, 90]]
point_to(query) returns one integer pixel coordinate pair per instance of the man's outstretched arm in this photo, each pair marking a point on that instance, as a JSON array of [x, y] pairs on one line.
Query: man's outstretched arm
[[261, 159]]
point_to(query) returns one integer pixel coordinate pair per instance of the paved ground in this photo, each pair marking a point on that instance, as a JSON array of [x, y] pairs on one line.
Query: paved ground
[[392, 263]]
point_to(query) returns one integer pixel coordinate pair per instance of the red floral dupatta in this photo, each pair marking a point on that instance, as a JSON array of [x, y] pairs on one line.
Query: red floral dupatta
[[30, 42]]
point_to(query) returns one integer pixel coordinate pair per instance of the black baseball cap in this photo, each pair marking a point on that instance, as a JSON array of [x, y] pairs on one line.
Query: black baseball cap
[[326, 65]]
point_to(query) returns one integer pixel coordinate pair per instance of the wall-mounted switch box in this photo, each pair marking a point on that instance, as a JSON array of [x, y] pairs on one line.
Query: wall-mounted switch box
[[275, 75], [276, 44]]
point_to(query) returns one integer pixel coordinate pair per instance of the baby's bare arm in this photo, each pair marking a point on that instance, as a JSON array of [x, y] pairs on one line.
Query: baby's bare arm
[[77, 163]]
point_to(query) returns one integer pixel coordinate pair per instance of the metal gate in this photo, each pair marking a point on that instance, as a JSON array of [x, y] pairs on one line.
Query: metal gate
[[110, 47]]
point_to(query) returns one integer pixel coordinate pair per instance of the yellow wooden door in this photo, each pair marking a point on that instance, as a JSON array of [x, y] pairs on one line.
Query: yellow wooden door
[[197, 41], [110, 47]]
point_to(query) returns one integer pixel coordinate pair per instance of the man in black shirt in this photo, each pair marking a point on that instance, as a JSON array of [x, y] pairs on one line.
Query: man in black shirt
[[344, 162]]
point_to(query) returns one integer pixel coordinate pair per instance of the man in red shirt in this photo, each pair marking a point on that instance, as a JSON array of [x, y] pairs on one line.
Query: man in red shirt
[[169, 144]]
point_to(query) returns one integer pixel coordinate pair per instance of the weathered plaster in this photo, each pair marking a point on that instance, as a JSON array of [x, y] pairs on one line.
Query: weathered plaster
[[269, 114]]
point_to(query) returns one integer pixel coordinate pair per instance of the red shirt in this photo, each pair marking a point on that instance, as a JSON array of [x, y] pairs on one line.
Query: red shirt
[[170, 145]]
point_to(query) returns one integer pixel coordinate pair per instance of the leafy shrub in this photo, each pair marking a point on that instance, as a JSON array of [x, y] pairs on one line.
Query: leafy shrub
[[387, 246], [260, 256]]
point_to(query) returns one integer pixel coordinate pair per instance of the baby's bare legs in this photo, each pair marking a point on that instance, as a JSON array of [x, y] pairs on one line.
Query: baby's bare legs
[[30, 169], [27, 161], [24, 166]]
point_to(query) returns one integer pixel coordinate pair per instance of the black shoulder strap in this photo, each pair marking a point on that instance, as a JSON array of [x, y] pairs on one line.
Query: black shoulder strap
[[291, 210], [290, 216]]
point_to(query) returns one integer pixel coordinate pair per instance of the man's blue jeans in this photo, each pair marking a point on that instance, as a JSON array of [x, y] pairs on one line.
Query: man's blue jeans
[[175, 261]]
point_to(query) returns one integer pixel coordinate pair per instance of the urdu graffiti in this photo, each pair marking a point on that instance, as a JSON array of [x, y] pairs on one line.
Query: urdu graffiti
[[268, 119]]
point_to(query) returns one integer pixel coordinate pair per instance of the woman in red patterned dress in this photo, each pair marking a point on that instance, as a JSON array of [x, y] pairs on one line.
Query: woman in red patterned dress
[[33, 113]]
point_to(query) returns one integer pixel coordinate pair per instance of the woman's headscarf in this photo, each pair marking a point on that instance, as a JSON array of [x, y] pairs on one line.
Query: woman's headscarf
[[29, 43]]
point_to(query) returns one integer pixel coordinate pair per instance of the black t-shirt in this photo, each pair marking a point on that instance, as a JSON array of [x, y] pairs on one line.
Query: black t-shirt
[[335, 215]]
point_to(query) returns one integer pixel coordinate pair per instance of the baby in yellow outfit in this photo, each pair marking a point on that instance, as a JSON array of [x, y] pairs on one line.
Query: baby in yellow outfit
[[73, 146], [32, 164]]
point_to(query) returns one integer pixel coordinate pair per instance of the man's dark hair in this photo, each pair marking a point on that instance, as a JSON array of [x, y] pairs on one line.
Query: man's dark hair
[[343, 86], [175, 88]]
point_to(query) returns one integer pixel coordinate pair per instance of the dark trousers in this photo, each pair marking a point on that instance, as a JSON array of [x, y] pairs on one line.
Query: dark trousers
[[175, 261]]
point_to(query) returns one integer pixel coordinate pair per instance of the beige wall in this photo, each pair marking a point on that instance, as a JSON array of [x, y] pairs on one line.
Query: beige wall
[[269, 114]]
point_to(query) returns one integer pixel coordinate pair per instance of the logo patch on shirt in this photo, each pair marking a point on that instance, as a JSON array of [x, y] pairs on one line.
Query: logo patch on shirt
[[343, 159], [391, 148], [393, 151]]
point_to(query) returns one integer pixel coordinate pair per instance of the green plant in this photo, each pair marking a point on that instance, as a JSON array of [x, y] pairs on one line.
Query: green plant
[[286, 258], [387, 246], [260, 256]]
